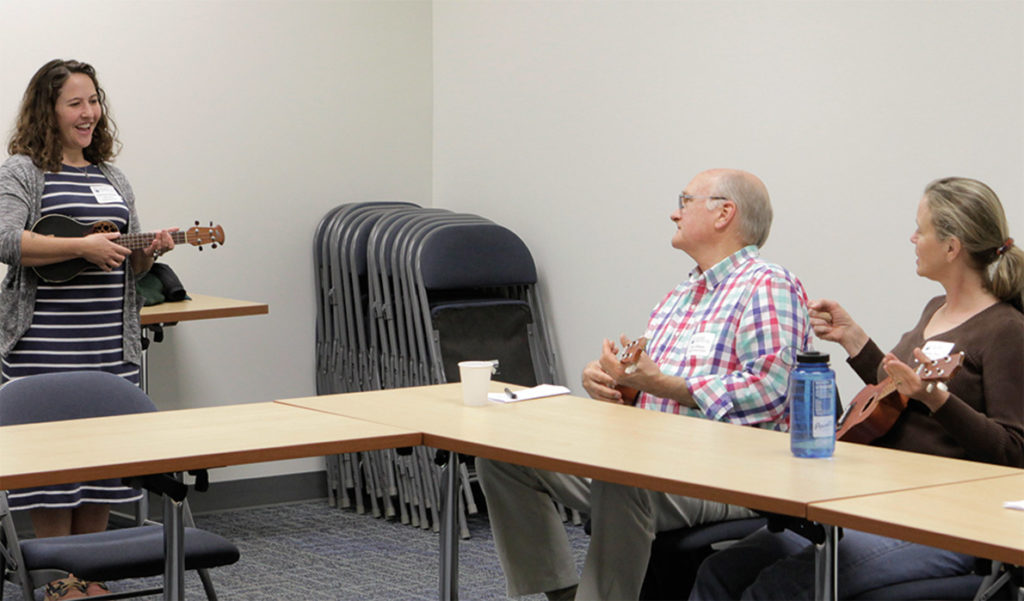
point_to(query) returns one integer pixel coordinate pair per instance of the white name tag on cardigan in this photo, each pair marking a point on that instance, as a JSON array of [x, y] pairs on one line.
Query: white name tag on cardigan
[[937, 349], [105, 193]]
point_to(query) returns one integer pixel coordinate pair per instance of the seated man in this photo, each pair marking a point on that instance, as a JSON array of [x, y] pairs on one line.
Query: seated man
[[721, 345], [961, 241]]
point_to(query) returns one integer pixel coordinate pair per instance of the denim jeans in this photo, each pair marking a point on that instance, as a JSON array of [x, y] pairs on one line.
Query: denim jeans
[[766, 565]]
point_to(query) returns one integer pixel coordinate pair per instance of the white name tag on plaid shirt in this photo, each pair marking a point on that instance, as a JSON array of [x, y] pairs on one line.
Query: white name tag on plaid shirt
[[701, 344]]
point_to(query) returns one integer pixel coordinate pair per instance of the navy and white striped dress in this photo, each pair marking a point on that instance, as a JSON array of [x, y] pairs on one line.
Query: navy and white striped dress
[[76, 325]]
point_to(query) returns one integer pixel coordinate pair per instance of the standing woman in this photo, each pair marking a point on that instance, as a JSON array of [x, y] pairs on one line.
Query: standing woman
[[59, 165], [962, 243]]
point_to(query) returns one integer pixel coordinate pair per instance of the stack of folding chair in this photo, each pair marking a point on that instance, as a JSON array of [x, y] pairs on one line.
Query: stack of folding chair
[[344, 361], [405, 293]]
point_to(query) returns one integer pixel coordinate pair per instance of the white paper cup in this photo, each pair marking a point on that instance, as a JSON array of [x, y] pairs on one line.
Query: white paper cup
[[476, 381]]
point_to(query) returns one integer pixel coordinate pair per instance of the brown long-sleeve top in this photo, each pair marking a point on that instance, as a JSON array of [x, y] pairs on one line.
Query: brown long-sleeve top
[[983, 420]]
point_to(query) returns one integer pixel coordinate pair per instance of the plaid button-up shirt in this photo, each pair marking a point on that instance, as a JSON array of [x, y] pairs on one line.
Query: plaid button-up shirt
[[732, 332]]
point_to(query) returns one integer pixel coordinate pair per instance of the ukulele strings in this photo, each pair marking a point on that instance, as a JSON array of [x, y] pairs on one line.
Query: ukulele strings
[[141, 240]]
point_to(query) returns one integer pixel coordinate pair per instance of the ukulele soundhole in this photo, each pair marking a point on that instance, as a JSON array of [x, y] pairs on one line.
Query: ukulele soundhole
[[104, 227]]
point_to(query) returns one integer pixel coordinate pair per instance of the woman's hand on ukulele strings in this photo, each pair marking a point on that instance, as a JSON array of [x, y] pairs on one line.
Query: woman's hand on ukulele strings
[[101, 250], [909, 383]]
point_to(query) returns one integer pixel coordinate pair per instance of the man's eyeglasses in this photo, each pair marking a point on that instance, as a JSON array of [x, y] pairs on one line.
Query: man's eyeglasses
[[685, 199]]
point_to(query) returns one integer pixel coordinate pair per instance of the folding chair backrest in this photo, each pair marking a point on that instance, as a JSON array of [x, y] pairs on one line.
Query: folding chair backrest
[[470, 278], [485, 329], [474, 256], [417, 320]]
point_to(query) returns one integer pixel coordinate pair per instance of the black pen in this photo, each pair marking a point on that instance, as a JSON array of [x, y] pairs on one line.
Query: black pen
[[510, 394]]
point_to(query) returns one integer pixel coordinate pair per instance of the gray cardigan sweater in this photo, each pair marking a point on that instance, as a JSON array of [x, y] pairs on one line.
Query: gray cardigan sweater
[[21, 193]]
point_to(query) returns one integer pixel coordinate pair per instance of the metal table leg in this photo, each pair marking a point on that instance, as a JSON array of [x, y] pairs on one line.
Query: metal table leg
[[174, 550], [449, 536], [826, 562], [144, 363]]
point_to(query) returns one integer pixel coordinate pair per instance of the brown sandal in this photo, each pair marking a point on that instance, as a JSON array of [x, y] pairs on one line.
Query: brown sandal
[[65, 588], [95, 589]]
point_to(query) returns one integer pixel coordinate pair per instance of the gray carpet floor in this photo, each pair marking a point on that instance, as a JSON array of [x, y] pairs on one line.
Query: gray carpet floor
[[311, 551]]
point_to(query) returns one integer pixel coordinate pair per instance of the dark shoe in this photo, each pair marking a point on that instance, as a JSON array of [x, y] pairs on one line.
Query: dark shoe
[[65, 588]]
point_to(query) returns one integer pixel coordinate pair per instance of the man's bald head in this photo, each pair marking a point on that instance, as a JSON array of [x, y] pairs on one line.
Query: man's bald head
[[750, 195]]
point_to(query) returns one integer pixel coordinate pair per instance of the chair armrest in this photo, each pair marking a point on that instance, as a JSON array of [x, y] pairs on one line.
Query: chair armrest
[[161, 484], [812, 531]]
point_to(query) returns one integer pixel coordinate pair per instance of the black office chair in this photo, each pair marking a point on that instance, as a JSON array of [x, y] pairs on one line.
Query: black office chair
[[136, 552], [676, 555]]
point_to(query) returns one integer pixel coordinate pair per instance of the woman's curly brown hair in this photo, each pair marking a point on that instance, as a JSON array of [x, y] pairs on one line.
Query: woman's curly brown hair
[[36, 133]]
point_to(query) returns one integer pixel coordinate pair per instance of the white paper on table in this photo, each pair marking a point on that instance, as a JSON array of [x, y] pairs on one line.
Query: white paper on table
[[1014, 505], [526, 394]]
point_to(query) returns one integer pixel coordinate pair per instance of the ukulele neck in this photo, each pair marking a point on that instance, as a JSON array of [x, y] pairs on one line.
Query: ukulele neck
[[889, 386], [141, 240]]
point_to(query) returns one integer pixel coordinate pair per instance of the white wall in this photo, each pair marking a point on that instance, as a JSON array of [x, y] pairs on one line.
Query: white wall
[[574, 123], [257, 115], [578, 123]]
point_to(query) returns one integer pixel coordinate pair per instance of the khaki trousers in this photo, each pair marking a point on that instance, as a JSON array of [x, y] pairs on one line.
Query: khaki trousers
[[533, 546]]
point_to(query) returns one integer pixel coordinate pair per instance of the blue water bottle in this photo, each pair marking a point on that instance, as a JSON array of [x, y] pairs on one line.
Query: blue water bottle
[[812, 406]]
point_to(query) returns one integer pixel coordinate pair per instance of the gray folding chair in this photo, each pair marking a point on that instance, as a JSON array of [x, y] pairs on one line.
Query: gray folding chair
[[344, 363], [475, 290]]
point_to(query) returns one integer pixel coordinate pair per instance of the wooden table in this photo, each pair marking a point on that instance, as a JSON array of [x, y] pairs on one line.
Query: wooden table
[[167, 441], [716, 461], [170, 441], [966, 517], [861, 487], [681, 455], [200, 306]]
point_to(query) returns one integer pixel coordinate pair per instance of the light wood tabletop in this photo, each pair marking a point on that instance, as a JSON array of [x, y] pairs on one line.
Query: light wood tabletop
[[166, 441], [682, 455], [967, 517], [201, 306]]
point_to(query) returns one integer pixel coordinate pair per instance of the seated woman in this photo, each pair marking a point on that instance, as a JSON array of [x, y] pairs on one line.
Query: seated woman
[[961, 242]]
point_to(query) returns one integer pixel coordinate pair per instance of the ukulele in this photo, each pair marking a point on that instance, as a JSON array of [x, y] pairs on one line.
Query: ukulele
[[66, 227], [629, 356], [875, 409]]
